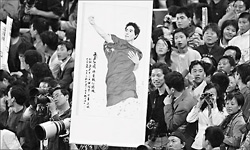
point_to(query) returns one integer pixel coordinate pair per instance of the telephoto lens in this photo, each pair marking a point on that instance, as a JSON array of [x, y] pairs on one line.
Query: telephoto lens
[[49, 129]]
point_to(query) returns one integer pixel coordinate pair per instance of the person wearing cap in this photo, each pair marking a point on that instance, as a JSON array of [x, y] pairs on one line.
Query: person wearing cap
[[176, 141]]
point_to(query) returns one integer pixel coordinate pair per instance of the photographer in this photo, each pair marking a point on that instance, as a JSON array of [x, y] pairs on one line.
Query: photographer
[[60, 109], [208, 112], [156, 126], [39, 98]]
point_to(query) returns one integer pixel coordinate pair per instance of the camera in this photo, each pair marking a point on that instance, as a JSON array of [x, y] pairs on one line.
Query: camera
[[49, 129], [40, 97], [153, 126], [207, 97]]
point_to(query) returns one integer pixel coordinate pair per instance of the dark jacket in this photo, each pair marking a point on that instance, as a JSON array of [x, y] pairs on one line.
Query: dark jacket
[[65, 76], [155, 111], [216, 51], [56, 142]]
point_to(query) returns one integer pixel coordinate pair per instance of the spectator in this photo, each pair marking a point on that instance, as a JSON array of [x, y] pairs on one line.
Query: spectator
[[183, 20], [242, 76], [229, 30], [227, 64], [16, 98], [212, 67], [178, 104], [70, 35], [9, 8], [239, 6], [218, 9], [208, 111], [38, 26], [60, 109], [211, 34], [5, 80], [232, 87], [242, 40], [184, 55], [39, 71], [143, 147], [197, 69], [50, 42], [71, 21], [176, 141], [30, 58], [220, 77], [51, 10], [233, 122], [15, 41], [155, 107], [64, 51], [161, 52], [233, 51], [212, 138]]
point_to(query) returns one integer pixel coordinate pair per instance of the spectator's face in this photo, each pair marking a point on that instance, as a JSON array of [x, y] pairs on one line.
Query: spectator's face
[[157, 78], [239, 7], [62, 52], [210, 37], [198, 73], [130, 33], [161, 47], [59, 98], [232, 106], [224, 65], [4, 84], [174, 143], [244, 25], [231, 53], [182, 20], [229, 32], [180, 40], [232, 84]]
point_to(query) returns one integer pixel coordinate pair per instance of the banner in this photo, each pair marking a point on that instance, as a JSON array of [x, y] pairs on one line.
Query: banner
[[111, 80], [5, 30]]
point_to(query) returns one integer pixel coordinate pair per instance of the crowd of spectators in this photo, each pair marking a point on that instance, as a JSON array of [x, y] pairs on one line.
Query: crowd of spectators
[[199, 79]]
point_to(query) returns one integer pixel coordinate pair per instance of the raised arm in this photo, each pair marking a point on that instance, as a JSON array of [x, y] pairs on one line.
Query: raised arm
[[104, 35]]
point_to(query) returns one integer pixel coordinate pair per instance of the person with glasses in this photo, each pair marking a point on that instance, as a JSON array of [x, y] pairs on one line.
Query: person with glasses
[[60, 109]]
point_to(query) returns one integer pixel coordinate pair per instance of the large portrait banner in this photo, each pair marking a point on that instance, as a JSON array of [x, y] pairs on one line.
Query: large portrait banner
[[111, 73]]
